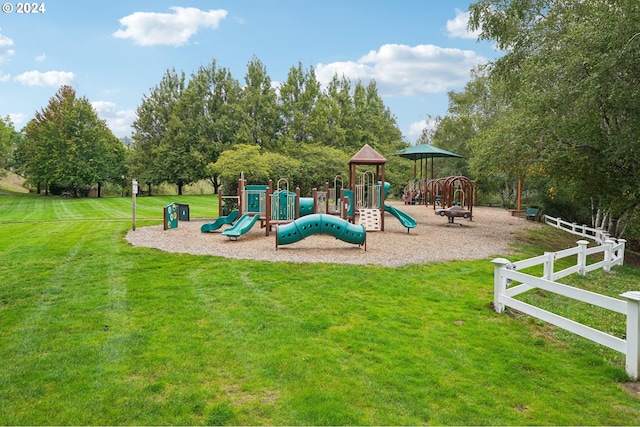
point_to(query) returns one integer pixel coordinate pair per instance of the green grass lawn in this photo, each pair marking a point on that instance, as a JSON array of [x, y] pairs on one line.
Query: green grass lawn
[[94, 331]]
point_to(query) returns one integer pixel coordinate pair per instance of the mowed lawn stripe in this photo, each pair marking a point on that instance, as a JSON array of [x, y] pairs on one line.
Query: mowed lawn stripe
[[95, 331]]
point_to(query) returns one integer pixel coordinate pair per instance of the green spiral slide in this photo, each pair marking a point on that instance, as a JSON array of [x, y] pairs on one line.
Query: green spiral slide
[[320, 224], [219, 222]]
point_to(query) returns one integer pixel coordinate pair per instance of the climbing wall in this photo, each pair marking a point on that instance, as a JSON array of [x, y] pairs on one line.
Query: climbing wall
[[370, 218]]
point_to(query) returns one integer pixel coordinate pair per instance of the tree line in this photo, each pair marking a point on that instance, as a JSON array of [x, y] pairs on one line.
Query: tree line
[[210, 126], [559, 110]]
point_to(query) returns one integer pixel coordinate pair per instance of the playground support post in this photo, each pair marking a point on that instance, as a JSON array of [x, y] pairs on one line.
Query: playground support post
[[326, 190], [240, 192], [314, 195], [344, 208], [267, 211]]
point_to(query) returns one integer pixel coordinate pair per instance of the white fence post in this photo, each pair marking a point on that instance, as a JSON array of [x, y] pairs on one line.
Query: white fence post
[[582, 256], [548, 266], [633, 332], [499, 283], [608, 254], [620, 253]]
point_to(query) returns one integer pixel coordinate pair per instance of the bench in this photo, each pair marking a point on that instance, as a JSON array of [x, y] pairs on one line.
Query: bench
[[532, 214]]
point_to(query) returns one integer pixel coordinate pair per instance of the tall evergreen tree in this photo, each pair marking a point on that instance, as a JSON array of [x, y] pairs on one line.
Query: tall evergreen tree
[[216, 94], [298, 98], [152, 143], [261, 123]]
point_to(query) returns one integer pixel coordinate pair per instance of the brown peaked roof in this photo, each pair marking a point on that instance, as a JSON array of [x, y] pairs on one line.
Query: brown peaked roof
[[367, 156]]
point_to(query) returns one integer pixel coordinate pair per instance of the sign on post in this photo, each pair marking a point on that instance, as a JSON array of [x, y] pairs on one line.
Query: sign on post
[[134, 191]]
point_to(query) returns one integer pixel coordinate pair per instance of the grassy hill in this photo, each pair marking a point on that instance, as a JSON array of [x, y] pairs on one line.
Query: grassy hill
[[12, 183]]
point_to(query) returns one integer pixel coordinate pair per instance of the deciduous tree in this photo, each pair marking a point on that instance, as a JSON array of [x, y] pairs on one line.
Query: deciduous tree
[[572, 80], [9, 141], [68, 144]]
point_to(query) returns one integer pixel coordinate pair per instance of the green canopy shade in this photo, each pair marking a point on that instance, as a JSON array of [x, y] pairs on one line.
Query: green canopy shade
[[425, 151]]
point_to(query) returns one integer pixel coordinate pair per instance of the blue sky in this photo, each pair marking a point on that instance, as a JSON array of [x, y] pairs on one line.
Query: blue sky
[[114, 51]]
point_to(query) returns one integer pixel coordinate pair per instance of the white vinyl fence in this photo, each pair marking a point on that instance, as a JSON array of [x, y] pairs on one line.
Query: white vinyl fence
[[510, 282], [596, 234]]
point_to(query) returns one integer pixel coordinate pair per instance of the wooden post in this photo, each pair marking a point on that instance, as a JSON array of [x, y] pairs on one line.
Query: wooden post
[[240, 193], [268, 207], [314, 194], [297, 214], [326, 190], [519, 193], [382, 178]]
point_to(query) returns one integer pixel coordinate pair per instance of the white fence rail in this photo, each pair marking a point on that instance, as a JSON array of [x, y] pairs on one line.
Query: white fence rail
[[597, 234], [509, 282]]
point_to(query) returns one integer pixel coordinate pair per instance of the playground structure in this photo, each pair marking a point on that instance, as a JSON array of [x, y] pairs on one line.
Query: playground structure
[[362, 202], [415, 192], [367, 191], [170, 216], [443, 194], [454, 212], [271, 207], [453, 191], [321, 224], [220, 221]]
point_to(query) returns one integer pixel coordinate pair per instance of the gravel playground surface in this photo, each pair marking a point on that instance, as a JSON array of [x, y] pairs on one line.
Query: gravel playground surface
[[433, 239]]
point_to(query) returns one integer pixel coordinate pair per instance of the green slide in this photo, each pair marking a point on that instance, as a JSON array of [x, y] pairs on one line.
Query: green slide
[[320, 224], [244, 224], [405, 219], [219, 222]]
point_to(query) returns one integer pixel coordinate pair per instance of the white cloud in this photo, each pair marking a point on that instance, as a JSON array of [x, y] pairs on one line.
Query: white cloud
[[457, 27], [173, 29], [416, 128], [401, 70], [4, 77], [6, 51], [104, 107], [119, 121], [18, 119], [48, 78], [41, 57]]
